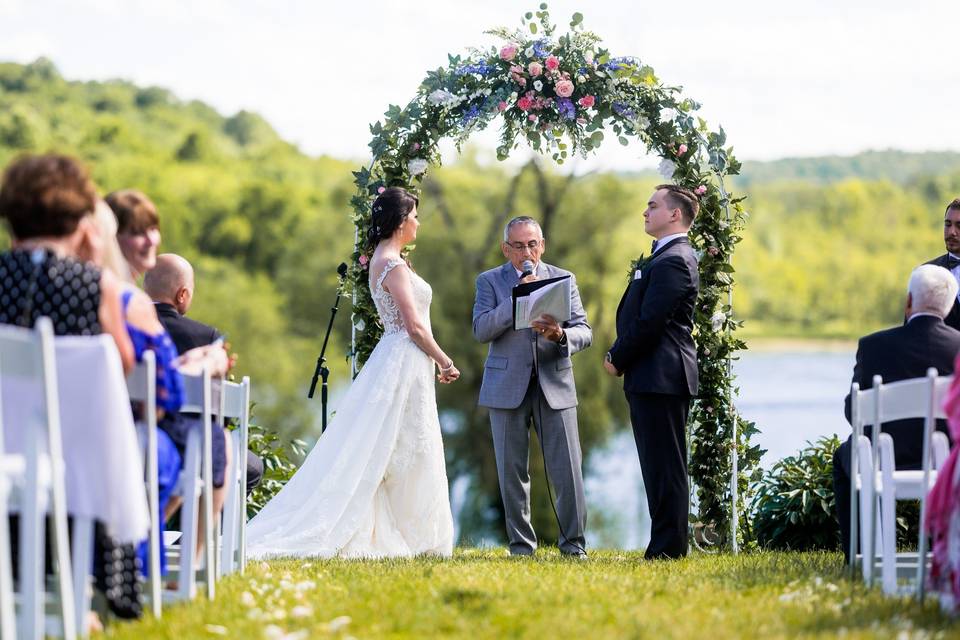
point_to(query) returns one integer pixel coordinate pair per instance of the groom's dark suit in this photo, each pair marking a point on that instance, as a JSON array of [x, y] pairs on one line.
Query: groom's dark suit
[[953, 318], [899, 353], [655, 351]]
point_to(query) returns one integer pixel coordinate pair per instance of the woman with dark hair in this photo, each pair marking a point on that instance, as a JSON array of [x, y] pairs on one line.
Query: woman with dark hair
[[375, 485]]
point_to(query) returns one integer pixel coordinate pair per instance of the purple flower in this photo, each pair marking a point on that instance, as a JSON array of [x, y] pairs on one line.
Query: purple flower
[[566, 109], [470, 115], [540, 48], [615, 64], [623, 110], [481, 68]]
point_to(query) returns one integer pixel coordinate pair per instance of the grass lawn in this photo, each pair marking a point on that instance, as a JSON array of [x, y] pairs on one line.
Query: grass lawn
[[482, 593]]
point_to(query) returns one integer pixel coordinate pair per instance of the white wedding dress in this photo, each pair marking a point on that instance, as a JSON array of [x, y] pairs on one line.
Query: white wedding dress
[[375, 484]]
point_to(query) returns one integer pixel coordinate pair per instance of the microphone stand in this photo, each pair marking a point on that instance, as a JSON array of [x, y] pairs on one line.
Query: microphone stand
[[321, 370]]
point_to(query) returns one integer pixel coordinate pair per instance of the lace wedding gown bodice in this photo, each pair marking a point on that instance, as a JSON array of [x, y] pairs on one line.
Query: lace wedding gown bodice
[[375, 484]]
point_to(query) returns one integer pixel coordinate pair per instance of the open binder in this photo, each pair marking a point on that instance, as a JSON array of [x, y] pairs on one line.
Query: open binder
[[541, 297]]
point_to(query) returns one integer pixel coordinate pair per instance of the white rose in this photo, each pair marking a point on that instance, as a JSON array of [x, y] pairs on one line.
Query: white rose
[[360, 325], [717, 319], [668, 115], [417, 166], [439, 96], [666, 168], [529, 51], [538, 85], [643, 122], [588, 56]]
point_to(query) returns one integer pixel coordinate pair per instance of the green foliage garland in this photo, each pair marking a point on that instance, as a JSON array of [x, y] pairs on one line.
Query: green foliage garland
[[560, 94]]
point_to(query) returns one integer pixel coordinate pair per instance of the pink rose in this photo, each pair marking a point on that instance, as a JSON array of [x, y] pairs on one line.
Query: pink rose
[[586, 101], [713, 251], [381, 189], [564, 88], [502, 106], [702, 189], [532, 118], [535, 69], [552, 62], [508, 52], [416, 146], [682, 150], [363, 260], [525, 103]]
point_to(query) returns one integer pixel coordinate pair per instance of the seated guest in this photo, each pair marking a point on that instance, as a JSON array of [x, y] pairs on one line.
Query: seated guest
[[138, 229], [48, 202], [902, 353], [951, 259], [171, 285]]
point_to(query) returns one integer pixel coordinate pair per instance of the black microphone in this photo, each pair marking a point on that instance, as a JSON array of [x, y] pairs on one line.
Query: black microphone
[[527, 269], [342, 269]]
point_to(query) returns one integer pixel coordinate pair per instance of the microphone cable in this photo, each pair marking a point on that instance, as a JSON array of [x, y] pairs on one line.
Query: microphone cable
[[538, 427]]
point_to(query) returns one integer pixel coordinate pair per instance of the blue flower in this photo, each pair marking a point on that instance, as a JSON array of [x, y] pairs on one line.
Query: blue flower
[[481, 69], [566, 109], [615, 64], [470, 115], [540, 48], [623, 110]]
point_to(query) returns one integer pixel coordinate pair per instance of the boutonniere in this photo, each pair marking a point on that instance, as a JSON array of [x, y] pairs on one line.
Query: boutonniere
[[636, 267]]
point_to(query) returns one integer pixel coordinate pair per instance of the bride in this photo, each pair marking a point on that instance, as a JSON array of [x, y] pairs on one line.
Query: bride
[[375, 484]]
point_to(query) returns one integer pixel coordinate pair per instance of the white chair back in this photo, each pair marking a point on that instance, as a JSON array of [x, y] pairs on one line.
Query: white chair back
[[29, 361], [142, 387], [235, 404]]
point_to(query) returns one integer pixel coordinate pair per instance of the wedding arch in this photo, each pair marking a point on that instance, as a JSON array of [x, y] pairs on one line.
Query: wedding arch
[[564, 95]]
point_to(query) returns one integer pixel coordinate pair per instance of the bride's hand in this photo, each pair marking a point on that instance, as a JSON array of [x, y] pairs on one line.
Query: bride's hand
[[449, 374]]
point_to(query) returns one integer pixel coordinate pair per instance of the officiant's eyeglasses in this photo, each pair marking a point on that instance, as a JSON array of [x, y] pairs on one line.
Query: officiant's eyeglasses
[[520, 246]]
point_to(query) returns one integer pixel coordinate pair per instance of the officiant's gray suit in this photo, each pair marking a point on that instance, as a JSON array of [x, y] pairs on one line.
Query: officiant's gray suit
[[515, 391]]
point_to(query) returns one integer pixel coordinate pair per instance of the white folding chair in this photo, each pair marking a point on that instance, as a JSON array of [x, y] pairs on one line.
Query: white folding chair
[[12, 467], [28, 357], [882, 484], [142, 387], [235, 404], [196, 481]]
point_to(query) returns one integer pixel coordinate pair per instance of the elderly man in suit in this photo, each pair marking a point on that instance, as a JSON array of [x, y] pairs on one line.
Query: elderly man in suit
[[951, 259], [655, 353], [901, 353], [528, 375]]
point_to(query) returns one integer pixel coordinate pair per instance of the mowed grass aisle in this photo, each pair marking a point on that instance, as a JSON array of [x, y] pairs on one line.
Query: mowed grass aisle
[[481, 593]]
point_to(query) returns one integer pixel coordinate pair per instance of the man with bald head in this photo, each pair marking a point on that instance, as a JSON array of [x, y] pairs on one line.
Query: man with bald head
[[170, 285]]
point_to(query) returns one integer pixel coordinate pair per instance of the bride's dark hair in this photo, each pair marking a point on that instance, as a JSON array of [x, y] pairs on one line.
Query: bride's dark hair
[[389, 211]]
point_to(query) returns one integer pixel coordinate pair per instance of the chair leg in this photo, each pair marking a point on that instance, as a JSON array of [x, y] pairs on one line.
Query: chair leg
[[153, 544], [32, 584], [82, 552], [8, 626], [231, 514], [187, 586], [888, 533]]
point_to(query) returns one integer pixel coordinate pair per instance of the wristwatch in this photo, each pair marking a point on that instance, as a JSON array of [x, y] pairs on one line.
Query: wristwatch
[[563, 338]]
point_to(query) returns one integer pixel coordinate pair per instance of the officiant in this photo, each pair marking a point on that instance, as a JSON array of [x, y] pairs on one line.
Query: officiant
[[528, 378]]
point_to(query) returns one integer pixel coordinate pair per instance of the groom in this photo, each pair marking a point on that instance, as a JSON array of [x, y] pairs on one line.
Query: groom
[[654, 351], [529, 374]]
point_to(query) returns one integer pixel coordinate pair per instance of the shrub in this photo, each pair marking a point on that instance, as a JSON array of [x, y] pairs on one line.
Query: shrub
[[278, 467], [794, 505]]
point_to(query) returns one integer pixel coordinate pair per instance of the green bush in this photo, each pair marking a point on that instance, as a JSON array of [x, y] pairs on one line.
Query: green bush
[[793, 507], [278, 467]]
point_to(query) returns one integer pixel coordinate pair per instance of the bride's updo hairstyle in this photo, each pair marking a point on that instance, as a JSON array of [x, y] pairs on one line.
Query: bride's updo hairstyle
[[390, 209]]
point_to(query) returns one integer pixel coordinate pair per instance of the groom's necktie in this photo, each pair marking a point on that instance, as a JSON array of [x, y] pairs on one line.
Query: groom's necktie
[[653, 249], [952, 262]]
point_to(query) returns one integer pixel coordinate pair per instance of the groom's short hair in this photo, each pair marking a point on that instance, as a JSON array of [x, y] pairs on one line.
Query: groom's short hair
[[932, 289], [954, 205], [680, 198]]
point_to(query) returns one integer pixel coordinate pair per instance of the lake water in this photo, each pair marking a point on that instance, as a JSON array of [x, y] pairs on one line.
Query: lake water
[[793, 396]]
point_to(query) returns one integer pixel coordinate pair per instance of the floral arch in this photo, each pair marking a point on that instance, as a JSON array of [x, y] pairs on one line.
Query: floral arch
[[563, 94]]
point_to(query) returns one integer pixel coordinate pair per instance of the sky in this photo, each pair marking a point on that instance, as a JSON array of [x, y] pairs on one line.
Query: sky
[[784, 79]]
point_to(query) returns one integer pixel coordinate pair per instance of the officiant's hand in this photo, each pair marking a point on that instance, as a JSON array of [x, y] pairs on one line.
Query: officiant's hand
[[548, 327], [530, 278]]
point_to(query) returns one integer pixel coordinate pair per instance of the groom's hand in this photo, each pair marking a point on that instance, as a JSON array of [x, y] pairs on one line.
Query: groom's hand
[[609, 368]]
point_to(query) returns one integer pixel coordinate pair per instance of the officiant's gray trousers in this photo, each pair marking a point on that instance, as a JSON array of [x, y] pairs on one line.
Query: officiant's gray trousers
[[561, 446]]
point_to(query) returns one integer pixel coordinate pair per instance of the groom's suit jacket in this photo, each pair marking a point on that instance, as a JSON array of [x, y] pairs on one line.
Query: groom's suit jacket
[[654, 347], [509, 366], [953, 318]]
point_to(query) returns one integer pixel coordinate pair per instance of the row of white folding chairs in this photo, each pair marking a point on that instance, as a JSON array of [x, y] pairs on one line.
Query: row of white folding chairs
[[206, 397], [881, 485]]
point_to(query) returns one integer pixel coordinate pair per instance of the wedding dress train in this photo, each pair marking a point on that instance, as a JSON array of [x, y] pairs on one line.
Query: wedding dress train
[[375, 484]]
